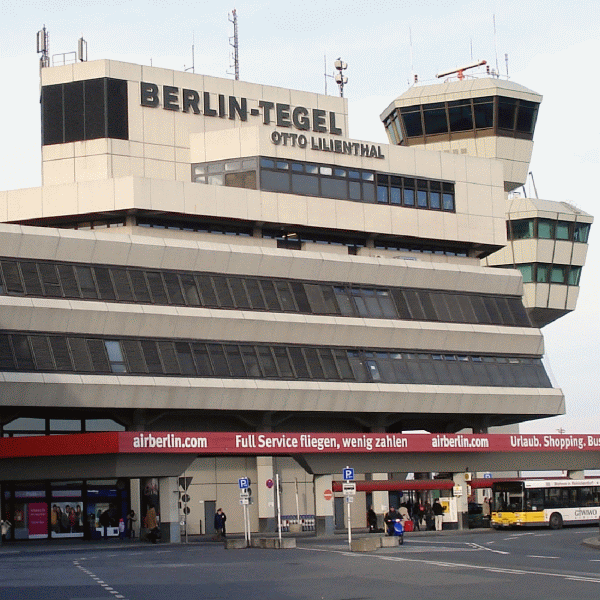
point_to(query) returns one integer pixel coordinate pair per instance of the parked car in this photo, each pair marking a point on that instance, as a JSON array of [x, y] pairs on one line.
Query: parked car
[[476, 518]]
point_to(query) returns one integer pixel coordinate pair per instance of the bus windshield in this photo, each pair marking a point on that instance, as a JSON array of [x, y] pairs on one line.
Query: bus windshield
[[508, 497]]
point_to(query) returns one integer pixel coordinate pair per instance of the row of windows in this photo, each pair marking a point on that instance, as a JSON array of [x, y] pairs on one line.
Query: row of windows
[[326, 181], [200, 289], [294, 237], [544, 273], [31, 352], [84, 110], [505, 115], [42, 426], [547, 229], [562, 497]]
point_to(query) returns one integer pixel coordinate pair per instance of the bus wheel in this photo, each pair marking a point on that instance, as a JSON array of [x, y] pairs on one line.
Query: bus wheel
[[555, 521]]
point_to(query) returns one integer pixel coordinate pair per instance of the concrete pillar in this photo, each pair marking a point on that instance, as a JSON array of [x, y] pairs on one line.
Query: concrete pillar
[[324, 521], [381, 500], [168, 489], [136, 504], [265, 496], [462, 501]]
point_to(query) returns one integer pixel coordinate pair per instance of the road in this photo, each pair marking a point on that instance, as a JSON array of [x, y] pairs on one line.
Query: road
[[492, 565]]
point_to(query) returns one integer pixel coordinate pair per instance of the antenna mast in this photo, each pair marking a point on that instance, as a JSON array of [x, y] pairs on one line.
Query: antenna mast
[[43, 47], [339, 77], [234, 44], [496, 47]]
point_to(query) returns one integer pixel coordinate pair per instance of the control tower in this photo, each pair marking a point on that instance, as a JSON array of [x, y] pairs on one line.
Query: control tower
[[485, 116]]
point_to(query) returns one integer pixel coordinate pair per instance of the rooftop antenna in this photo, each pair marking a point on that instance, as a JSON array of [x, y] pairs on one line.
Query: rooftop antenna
[[236, 58], [412, 64], [460, 70], [495, 46], [43, 47], [82, 54], [506, 61], [339, 77], [192, 68]]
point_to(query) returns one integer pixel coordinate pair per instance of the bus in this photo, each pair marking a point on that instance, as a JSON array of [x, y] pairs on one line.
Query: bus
[[550, 502]]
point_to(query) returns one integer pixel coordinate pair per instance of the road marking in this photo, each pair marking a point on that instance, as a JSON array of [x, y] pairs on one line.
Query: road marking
[[99, 581], [480, 547], [462, 566], [539, 556]]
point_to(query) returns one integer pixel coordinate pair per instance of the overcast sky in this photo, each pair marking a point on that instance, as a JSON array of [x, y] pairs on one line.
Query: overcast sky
[[552, 48]]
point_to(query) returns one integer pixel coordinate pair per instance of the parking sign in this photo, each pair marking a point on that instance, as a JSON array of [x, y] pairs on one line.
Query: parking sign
[[348, 474]]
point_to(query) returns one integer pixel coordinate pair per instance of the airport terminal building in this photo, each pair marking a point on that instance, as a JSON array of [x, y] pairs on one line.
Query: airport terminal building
[[209, 255]]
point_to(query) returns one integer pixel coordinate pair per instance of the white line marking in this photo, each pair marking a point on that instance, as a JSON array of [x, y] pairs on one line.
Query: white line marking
[[462, 566], [539, 556]]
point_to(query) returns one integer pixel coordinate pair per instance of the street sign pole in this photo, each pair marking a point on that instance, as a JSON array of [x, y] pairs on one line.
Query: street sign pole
[[348, 475], [278, 507], [349, 523]]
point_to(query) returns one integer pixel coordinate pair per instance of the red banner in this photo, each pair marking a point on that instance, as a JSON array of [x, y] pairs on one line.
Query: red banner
[[309, 443], [290, 443]]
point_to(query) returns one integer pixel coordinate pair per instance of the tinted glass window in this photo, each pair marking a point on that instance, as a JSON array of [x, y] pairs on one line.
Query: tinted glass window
[[73, 107], [52, 114], [305, 184], [412, 123], [435, 119], [273, 181], [507, 108], [460, 116], [483, 109]]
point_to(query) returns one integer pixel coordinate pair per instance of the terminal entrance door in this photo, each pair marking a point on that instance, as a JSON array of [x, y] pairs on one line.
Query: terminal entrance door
[[210, 508]]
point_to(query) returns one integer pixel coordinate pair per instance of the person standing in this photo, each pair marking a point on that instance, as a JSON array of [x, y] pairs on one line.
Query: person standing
[[152, 523], [486, 510], [438, 513], [220, 518], [5, 528], [372, 520], [131, 520]]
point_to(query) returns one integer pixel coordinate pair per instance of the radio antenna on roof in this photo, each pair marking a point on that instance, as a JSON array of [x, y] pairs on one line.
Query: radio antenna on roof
[[235, 44], [43, 47]]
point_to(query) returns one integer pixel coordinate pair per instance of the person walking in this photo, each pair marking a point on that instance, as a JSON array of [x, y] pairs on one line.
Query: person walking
[[438, 513]]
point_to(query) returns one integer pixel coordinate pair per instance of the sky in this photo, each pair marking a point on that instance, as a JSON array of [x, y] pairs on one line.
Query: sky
[[549, 46]]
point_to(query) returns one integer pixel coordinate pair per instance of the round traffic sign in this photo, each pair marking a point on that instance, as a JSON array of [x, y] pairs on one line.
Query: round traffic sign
[[328, 494]]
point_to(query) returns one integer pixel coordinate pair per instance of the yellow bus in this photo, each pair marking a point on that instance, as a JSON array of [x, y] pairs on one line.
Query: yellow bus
[[551, 502]]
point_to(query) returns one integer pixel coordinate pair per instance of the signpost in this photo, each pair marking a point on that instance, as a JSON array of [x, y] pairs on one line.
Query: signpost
[[245, 492], [349, 489]]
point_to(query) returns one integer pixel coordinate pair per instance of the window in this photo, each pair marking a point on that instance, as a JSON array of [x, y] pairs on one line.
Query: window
[[545, 229], [84, 110], [521, 229], [115, 357]]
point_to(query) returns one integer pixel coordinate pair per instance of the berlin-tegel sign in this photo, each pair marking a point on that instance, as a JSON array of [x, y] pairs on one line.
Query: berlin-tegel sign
[[289, 443]]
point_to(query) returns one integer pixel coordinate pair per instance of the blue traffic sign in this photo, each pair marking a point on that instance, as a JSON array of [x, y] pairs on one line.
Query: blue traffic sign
[[348, 474], [244, 483]]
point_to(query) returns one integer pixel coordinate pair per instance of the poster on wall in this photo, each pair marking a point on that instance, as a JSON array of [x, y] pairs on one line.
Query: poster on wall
[[37, 517], [66, 519]]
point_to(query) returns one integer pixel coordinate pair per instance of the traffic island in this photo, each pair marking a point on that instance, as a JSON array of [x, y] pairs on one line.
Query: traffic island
[[366, 544], [274, 543], [388, 541]]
